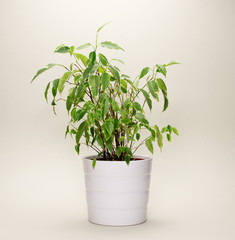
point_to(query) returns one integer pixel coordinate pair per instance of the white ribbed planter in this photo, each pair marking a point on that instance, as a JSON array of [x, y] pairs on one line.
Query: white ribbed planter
[[117, 194]]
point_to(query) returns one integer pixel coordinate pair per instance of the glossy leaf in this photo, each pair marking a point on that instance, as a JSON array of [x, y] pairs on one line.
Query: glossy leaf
[[171, 63], [161, 84], [82, 57], [137, 106], [94, 82], [152, 91], [175, 131], [103, 59], [127, 159], [40, 71], [147, 98], [111, 45], [144, 72], [105, 81], [63, 49], [161, 69], [105, 107], [166, 102], [93, 163], [102, 26], [149, 145], [46, 91], [81, 129], [115, 73], [63, 79], [83, 46]]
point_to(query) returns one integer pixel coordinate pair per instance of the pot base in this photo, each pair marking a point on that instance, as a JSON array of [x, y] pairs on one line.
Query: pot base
[[117, 217]]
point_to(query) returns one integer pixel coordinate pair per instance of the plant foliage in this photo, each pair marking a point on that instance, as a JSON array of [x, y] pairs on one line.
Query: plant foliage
[[104, 106]]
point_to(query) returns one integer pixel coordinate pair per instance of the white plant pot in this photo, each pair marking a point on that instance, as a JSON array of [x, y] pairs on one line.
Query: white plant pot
[[117, 194]]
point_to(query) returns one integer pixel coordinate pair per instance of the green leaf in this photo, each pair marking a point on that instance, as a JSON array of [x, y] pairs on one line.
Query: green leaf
[[175, 131], [125, 76], [161, 69], [105, 81], [171, 63], [82, 57], [126, 103], [77, 148], [115, 105], [168, 137], [127, 133], [83, 46], [117, 60], [151, 90], [159, 140], [80, 90], [137, 106], [46, 91], [166, 102], [147, 98], [93, 163], [105, 107], [137, 136], [87, 71], [115, 123], [109, 144], [94, 82], [140, 117], [94, 68], [149, 145], [67, 131], [70, 98], [115, 73], [102, 26], [103, 59], [62, 49], [92, 56], [108, 124], [111, 45], [81, 129], [80, 114], [71, 51], [59, 47], [127, 159], [48, 66], [55, 86], [63, 79], [169, 128], [161, 84], [144, 72]]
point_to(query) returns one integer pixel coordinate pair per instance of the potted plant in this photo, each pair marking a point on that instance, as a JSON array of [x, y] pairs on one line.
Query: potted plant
[[107, 114]]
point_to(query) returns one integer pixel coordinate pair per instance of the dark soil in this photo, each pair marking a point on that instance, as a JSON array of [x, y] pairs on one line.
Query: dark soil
[[102, 159]]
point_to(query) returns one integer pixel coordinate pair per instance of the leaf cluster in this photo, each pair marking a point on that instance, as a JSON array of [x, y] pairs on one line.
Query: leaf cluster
[[104, 106]]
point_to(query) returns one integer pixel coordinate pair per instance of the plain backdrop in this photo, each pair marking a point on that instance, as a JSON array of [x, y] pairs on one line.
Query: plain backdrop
[[42, 193]]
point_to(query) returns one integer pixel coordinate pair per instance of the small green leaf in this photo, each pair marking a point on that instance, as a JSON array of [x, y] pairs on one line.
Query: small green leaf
[[67, 131], [80, 90], [77, 148], [111, 45], [161, 84], [147, 98], [46, 91], [93, 163], [166, 102], [71, 51], [94, 82], [92, 56], [105, 81], [105, 107], [159, 140], [103, 59], [115, 73], [81, 129], [125, 76], [169, 128], [63, 49], [168, 137], [80, 114], [141, 118], [55, 86], [137, 106], [87, 71], [108, 124], [161, 69], [137, 136], [82, 57], [102, 26], [83, 46], [144, 72], [48, 66], [63, 79], [149, 145], [115, 105], [151, 90], [175, 131], [70, 98], [127, 159], [171, 63], [117, 60]]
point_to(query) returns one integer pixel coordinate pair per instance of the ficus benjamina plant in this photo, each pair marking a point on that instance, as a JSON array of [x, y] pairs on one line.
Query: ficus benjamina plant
[[105, 106]]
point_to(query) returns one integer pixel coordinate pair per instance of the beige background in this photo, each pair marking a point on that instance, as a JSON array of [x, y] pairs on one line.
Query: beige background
[[41, 177]]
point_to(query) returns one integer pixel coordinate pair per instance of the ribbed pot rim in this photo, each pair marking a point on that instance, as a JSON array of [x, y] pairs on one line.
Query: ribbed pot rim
[[145, 158]]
